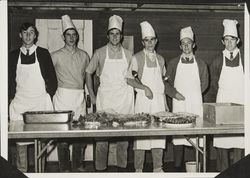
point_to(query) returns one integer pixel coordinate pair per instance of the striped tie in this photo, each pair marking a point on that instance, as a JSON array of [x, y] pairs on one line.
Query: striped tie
[[231, 56], [27, 54]]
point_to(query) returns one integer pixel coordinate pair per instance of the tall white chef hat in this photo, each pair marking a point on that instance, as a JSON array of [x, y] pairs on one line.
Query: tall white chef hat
[[115, 21], [186, 32], [230, 27], [67, 23], [147, 30]]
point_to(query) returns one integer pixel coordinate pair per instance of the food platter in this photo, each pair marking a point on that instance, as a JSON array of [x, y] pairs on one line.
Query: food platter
[[164, 119], [95, 120]]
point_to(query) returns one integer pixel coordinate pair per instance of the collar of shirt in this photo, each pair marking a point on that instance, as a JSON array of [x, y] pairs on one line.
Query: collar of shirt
[[31, 49], [149, 54], [114, 50], [190, 57], [69, 50], [187, 62], [227, 53]]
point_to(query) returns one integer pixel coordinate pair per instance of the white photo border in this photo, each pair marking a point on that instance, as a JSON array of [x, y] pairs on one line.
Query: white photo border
[[4, 109]]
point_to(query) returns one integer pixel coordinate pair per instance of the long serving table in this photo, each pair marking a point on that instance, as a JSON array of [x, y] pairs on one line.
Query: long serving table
[[37, 132]]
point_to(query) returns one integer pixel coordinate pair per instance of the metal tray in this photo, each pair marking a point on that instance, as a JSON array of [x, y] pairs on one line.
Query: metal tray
[[32, 117], [46, 127]]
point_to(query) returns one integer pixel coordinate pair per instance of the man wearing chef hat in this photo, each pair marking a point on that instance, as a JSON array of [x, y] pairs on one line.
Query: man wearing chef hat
[[70, 63], [150, 98], [31, 82], [227, 82], [110, 63], [189, 75]]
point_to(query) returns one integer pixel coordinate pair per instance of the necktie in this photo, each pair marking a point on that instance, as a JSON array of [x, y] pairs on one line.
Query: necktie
[[27, 54], [231, 55], [187, 59]]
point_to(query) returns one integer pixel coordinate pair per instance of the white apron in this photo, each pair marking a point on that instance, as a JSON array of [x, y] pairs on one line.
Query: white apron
[[231, 90], [114, 93], [187, 82], [151, 77], [30, 94], [70, 99]]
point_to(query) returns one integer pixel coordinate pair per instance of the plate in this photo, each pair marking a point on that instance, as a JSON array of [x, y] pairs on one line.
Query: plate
[[136, 123], [92, 125], [168, 125]]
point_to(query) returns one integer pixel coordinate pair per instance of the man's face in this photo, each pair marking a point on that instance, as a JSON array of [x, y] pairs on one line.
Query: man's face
[[28, 36], [230, 42], [187, 46], [70, 37], [114, 36], [149, 43]]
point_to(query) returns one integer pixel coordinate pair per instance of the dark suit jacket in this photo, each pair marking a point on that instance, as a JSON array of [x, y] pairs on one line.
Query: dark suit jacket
[[215, 71], [46, 66]]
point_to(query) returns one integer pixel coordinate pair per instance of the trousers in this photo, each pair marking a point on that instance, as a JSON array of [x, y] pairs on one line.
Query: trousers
[[78, 149], [183, 153], [101, 154], [223, 157], [139, 157]]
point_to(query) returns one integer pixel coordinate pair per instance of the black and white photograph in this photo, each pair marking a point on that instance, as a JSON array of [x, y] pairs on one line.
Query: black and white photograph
[[128, 86]]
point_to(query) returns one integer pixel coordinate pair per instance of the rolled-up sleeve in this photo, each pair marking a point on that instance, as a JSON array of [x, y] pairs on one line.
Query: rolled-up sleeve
[[86, 62], [133, 67]]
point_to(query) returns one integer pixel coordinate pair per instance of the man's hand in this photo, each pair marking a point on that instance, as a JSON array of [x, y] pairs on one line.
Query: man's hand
[[179, 96], [148, 92]]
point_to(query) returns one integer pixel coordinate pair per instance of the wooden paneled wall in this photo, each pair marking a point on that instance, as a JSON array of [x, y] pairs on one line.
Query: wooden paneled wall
[[207, 27]]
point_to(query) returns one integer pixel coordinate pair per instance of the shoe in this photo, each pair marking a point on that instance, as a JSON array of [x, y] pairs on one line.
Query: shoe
[[121, 169], [179, 169], [158, 170], [112, 169], [138, 170], [101, 170], [79, 169]]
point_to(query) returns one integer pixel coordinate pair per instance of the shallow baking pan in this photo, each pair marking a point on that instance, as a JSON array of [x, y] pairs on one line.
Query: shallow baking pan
[[46, 127], [32, 117]]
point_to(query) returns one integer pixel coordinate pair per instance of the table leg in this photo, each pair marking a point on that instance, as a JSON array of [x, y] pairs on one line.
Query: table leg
[[204, 154], [43, 157], [36, 155], [39, 158], [197, 154]]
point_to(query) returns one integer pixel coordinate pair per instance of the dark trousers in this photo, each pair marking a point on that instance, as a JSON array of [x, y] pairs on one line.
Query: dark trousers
[[78, 149], [223, 157], [183, 153]]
